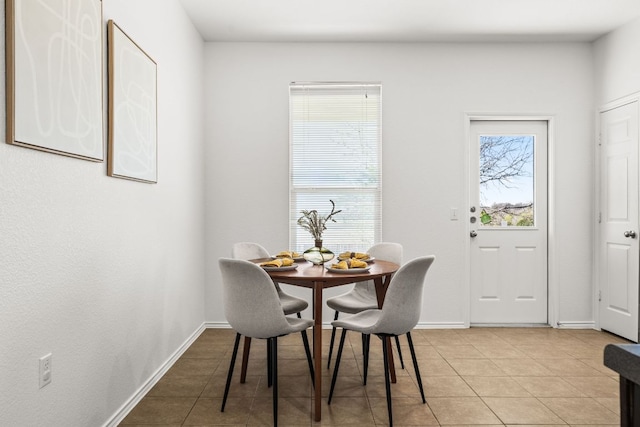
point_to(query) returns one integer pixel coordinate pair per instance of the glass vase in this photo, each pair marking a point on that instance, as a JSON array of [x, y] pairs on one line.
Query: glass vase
[[318, 254]]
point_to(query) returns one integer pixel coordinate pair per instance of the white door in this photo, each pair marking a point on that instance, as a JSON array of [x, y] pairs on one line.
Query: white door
[[508, 204], [618, 240]]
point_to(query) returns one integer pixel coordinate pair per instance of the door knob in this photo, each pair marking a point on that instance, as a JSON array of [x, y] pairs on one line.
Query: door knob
[[473, 233], [631, 234]]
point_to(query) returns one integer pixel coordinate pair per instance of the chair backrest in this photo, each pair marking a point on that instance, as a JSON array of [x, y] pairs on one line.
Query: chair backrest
[[403, 300], [251, 302], [249, 250], [386, 251]]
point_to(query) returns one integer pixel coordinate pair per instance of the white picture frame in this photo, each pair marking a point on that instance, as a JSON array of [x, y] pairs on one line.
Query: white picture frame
[[54, 76], [132, 152]]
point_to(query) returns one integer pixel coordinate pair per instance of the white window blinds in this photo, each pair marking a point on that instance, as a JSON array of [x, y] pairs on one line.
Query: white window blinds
[[335, 142]]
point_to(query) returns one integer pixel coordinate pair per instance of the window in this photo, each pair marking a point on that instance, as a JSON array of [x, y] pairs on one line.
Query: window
[[335, 143], [507, 180]]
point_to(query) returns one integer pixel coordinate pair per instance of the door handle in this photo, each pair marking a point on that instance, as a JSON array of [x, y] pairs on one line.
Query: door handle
[[473, 233], [631, 234]]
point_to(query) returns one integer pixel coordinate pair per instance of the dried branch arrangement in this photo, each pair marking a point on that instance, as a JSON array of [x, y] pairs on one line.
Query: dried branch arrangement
[[316, 224]]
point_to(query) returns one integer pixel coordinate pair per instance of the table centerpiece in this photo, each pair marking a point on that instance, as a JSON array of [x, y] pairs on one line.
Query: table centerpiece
[[315, 224]]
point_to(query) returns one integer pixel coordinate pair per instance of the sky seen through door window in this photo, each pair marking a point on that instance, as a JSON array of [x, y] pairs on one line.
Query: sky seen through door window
[[506, 180]]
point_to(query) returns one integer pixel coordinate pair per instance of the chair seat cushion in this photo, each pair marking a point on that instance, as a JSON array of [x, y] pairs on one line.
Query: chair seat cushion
[[352, 302], [364, 322], [291, 304], [299, 325]]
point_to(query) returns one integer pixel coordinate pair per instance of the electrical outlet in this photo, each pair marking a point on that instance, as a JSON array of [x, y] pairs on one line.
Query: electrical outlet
[[45, 370]]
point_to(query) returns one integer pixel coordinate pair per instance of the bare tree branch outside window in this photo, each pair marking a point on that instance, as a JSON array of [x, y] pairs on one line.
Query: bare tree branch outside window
[[504, 161]]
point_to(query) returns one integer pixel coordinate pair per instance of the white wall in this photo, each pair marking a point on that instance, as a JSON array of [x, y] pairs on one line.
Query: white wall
[[427, 89], [617, 63], [106, 274]]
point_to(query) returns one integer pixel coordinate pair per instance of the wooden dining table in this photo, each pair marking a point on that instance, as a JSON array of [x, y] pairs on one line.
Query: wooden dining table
[[318, 278]]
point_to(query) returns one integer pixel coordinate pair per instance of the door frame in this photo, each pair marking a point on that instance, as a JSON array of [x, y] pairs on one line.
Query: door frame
[[552, 280], [634, 97]]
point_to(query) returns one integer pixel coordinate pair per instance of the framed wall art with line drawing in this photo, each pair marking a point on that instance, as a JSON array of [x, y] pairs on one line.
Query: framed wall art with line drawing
[[54, 76], [133, 147]]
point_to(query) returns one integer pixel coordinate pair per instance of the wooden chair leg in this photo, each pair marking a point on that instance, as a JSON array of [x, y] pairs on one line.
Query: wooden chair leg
[[230, 373], [415, 366], [387, 382], [333, 337], [335, 368], [399, 352]]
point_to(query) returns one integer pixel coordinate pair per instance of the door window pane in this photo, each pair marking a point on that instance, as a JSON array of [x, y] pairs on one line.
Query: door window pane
[[507, 181]]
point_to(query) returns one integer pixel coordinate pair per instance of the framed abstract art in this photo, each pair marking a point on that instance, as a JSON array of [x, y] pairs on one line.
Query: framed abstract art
[[132, 152], [54, 76]]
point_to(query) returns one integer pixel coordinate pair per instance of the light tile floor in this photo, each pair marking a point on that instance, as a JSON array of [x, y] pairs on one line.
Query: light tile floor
[[477, 376]]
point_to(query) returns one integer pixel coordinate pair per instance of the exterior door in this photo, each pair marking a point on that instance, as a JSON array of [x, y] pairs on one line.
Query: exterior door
[[508, 214], [618, 240]]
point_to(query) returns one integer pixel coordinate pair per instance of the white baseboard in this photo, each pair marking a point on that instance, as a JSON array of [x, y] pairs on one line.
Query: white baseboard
[[441, 325], [461, 325], [577, 325], [327, 325], [155, 377], [216, 325]]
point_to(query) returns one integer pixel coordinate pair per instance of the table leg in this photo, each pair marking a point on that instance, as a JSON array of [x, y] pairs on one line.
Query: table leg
[[381, 290], [245, 359], [392, 367], [317, 348]]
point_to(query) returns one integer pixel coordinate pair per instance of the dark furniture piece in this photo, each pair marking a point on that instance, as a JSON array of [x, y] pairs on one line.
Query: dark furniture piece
[[625, 360]]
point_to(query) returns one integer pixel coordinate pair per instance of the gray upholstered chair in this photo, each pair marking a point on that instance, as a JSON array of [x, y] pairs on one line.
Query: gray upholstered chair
[[399, 315], [253, 309], [250, 250], [363, 295], [290, 304]]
